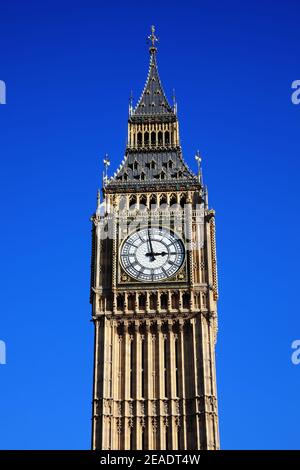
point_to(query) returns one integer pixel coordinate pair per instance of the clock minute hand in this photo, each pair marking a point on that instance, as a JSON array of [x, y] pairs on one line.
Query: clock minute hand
[[151, 247]]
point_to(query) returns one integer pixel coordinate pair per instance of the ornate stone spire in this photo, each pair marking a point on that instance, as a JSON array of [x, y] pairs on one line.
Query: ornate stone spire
[[153, 100], [153, 153]]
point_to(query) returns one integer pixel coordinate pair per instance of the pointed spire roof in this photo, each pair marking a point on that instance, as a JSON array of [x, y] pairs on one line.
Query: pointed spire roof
[[159, 163], [153, 100]]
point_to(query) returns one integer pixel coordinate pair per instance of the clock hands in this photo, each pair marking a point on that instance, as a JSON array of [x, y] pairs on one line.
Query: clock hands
[[151, 253]]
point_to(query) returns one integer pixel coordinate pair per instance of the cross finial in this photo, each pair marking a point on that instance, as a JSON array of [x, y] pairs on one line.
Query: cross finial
[[106, 163], [153, 39], [198, 159], [130, 102], [174, 101]]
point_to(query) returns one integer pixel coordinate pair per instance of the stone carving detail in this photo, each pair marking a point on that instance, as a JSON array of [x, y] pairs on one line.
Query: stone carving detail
[[165, 404], [119, 425], [120, 330], [130, 423], [177, 421], [107, 407], [142, 422], [214, 257], [154, 424]]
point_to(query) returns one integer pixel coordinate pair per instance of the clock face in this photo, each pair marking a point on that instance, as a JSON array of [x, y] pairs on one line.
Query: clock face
[[152, 254]]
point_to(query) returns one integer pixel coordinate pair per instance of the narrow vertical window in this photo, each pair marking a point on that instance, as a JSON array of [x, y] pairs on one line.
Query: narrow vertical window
[[110, 378], [143, 368], [176, 368], [131, 439], [167, 138], [165, 367], [154, 367], [153, 139], [139, 139], [131, 370], [146, 138]]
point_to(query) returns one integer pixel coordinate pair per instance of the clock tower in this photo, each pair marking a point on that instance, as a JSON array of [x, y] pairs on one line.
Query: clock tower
[[154, 290]]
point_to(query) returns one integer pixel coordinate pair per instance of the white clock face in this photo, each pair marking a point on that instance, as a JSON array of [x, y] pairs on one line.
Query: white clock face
[[152, 254]]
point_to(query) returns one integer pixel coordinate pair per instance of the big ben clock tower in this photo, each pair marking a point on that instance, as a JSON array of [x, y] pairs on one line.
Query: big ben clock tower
[[154, 291]]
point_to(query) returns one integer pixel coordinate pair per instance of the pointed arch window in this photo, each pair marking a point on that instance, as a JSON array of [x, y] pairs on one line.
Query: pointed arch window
[[132, 202], [153, 301], [139, 139], [186, 300], [153, 138], [146, 138], [160, 138], [173, 200], [135, 165], [175, 300], [183, 201], [122, 203], [163, 200], [143, 202], [167, 138], [142, 302], [164, 301], [120, 302], [153, 201], [131, 301]]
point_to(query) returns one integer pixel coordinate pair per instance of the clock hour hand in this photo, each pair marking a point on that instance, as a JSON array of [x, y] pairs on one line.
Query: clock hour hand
[[163, 253]]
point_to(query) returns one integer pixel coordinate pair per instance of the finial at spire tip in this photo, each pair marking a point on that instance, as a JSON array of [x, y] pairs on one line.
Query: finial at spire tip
[[153, 39]]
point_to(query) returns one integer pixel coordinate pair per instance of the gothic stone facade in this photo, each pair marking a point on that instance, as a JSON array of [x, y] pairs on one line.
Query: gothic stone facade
[[154, 358]]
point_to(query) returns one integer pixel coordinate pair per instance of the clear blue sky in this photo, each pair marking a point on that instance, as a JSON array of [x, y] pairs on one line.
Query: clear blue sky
[[69, 67]]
